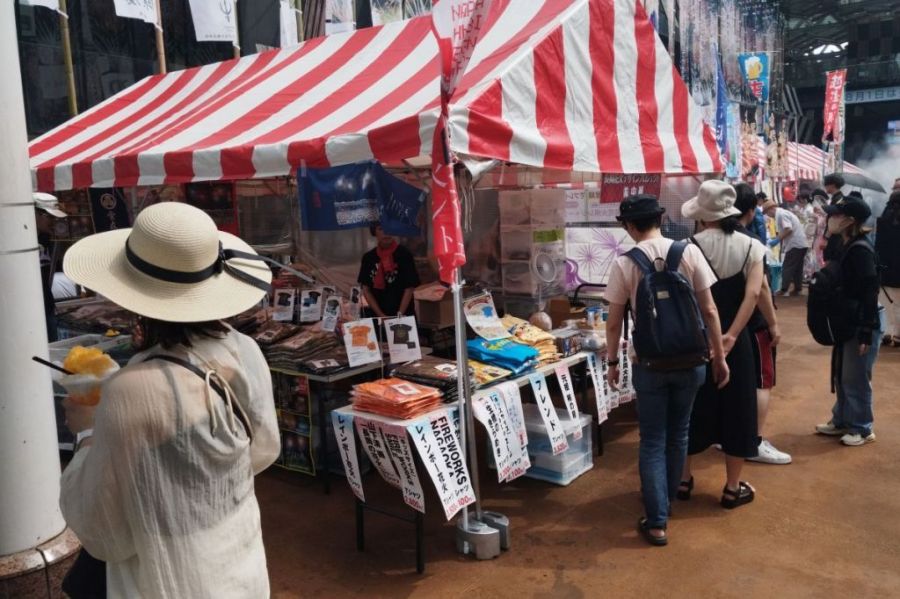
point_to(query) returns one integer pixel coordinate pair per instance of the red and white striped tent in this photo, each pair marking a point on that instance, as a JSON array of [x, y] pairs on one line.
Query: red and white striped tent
[[804, 161], [582, 85]]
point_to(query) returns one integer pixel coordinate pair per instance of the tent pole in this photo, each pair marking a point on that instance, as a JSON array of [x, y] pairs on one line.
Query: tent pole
[[298, 11], [236, 44], [67, 57], [160, 42]]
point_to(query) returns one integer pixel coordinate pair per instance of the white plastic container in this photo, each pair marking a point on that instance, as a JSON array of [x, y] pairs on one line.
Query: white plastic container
[[565, 467]]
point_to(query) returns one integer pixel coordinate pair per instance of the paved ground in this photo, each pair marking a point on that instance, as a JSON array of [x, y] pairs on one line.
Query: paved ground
[[826, 525]]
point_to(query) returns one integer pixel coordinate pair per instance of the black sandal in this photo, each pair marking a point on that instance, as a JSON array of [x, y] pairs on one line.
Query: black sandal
[[645, 529], [743, 495], [684, 489]]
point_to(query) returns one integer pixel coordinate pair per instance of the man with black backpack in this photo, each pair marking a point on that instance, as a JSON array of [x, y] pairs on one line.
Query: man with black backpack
[[667, 286]]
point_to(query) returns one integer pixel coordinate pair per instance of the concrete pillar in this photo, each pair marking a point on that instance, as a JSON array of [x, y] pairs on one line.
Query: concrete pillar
[[29, 457]]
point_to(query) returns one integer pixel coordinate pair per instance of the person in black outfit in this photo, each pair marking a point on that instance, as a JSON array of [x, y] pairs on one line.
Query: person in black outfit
[[46, 211], [854, 359], [388, 277], [887, 248], [833, 184]]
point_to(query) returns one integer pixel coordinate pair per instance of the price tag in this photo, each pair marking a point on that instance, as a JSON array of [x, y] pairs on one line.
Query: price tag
[[564, 377], [558, 440]]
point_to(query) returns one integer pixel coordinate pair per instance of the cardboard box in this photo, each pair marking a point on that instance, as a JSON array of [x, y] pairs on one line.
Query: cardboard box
[[433, 308], [561, 310]]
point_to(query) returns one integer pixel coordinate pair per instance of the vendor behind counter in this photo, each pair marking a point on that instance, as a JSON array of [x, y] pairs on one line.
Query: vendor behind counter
[[388, 277]]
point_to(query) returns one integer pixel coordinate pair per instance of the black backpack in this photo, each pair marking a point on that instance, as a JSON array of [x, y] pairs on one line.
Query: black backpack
[[669, 332], [828, 312]]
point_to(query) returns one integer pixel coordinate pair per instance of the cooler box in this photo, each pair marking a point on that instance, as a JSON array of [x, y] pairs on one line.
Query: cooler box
[[775, 270], [559, 469]]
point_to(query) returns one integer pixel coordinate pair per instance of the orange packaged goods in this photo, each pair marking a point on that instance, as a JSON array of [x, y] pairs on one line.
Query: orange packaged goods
[[396, 398], [90, 367]]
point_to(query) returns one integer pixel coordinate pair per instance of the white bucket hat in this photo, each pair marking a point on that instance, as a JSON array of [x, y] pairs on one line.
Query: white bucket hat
[[714, 201], [48, 203], [173, 265]]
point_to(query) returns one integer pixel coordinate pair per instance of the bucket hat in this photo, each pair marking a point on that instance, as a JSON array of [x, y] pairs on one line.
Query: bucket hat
[[714, 201], [48, 203], [639, 206], [173, 265]]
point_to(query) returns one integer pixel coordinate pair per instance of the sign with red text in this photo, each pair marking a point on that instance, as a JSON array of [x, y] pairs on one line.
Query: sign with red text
[[834, 99]]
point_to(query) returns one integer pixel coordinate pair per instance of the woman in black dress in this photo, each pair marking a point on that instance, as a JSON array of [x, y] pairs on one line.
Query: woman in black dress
[[727, 416]]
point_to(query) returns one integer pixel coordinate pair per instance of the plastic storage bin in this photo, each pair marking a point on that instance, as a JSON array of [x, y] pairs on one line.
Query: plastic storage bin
[[559, 469]]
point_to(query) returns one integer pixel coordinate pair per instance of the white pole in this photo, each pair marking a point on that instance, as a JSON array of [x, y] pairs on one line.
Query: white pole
[[29, 456]]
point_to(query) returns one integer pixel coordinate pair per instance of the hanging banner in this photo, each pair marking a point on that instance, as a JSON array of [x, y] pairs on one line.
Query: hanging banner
[[108, 209], [397, 441], [144, 10], [214, 21], [403, 339], [555, 431], [482, 317], [338, 16], [486, 410], [375, 447], [626, 385], [834, 98], [287, 25], [358, 195], [601, 386], [616, 187], [437, 442], [361, 343], [509, 393], [513, 424], [755, 69], [721, 106], [456, 24], [733, 153], [564, 378], [346, 442]]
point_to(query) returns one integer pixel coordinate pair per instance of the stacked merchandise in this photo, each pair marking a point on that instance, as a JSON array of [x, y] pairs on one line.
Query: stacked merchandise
[[486, 374], [298, 351], [505, 353], [249, 321], [395, 398], [272, 331], [434, 372], [95, 316], [539, 339]]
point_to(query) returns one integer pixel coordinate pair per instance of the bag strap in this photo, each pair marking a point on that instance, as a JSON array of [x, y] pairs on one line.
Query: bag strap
[[640, 258], [212, 383], [705, 257], [674, 255]]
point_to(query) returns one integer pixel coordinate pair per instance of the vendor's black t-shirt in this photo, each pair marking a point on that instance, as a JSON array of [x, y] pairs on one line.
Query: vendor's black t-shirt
[[395, 283]]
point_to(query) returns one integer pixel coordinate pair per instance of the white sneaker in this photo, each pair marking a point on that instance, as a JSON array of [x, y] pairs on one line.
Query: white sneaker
[[830, 429], [856, 439], [769, 455]]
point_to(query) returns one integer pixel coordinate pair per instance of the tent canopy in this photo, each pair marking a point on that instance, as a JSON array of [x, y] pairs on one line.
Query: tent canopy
[[584, 85], [804, 161]]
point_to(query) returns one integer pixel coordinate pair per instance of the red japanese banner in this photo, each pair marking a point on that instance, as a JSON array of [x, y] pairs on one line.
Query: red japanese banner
[[834, 98], [456, 25], [616, 187]]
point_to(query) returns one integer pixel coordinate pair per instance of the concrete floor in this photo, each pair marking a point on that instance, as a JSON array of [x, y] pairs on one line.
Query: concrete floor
[[826, 525]]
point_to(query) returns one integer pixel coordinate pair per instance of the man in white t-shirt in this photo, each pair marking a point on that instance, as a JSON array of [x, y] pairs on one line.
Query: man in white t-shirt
[[792, 237], [665, 397]]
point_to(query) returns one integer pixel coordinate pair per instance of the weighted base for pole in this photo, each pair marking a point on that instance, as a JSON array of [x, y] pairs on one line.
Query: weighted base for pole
[[501, 523], [477, 539]]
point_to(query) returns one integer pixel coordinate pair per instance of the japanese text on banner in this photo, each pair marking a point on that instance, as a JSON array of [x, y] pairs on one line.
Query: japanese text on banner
[[395, 437], [346, 442], [487, 412], [601, 386], [564, 377], [834, 98], [509, 392], [555, 431], [373, 443], [516, 443]]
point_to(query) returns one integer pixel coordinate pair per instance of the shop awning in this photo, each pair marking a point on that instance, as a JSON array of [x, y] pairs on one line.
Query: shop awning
[[583, 85], [804, 161]]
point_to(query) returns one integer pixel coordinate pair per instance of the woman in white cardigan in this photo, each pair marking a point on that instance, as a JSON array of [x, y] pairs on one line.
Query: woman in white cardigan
[[161, 484]]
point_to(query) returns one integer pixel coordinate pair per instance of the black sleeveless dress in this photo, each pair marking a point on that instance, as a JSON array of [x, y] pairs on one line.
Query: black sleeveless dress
[[728, 416]]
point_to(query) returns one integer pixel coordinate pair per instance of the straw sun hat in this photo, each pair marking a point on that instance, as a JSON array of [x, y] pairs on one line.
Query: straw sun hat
[[713, 202], [173, 265]]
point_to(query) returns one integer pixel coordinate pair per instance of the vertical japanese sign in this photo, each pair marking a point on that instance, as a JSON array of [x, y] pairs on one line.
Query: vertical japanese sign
[[755, 69], [395, 437], [626, 385], [509, 392], [564, 377], [145, 10], [834, 99], [437, 442], [346, 442], [373, 444], [555, 431], [513, 426], [601, 385], [487, 411], [456, 24]]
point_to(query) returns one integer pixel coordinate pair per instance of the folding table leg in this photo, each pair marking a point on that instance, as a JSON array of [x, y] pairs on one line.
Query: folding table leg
[[360, 526], [420, 542]]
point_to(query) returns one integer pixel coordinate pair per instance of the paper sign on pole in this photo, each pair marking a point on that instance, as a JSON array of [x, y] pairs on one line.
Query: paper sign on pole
[[487, 412], [144, 10], [601, 386], [437, 442], [482, 317], [564, 377], [516, 442], [558, 440], [373, 443], [214, 21], [287, 22], [403, 339], [395, 437], [360, 342], [346, 442]]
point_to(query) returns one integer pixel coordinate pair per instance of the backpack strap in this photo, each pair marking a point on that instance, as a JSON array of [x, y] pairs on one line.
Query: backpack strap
[[640, 258], [238, 412], [674, 255], [699, 247]]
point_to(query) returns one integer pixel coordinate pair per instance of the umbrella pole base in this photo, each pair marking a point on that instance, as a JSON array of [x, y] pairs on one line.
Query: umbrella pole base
[[477, 539], [501, 523]]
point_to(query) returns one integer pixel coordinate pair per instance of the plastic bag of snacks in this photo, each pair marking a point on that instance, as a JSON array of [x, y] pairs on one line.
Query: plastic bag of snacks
[[91, 367]]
